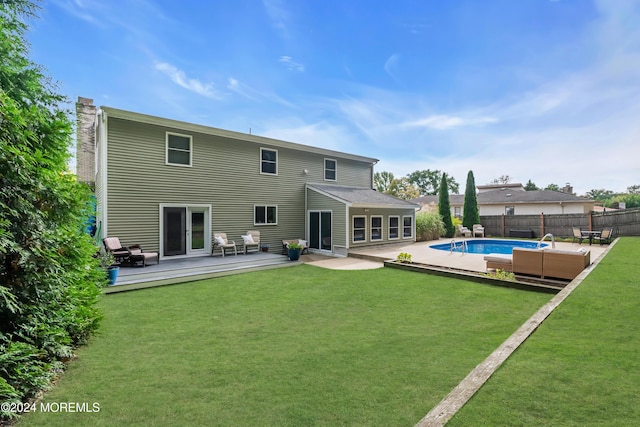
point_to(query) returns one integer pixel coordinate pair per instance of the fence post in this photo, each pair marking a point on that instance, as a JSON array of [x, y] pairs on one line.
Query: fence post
[[542, 224], [590, 220]]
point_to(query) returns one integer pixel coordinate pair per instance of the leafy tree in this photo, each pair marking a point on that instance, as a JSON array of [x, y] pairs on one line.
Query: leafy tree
[[470, 214], [444, 207], [403, 189], [633, 189], [50, 280], [502, 179], [382, 181], [530, 186], [630, 201], [552, 187], [600, 194], [386, 183], [428, 182]]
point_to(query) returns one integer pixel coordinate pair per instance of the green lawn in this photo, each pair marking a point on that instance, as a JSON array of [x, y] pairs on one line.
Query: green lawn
[[581, 367], [295, 346]]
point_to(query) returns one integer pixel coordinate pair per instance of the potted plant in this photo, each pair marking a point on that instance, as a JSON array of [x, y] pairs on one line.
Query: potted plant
[[108, 262], [294, 250]]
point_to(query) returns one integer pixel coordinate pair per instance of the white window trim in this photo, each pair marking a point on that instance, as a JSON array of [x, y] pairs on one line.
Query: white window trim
[[166, 149], [513, 209], [259, 224], [334, 170], [276, 162], [397, 228], [381, 228], [412, 226], [353, 229]]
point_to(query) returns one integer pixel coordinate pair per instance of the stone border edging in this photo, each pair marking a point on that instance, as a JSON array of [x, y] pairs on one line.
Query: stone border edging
[[461, 394]]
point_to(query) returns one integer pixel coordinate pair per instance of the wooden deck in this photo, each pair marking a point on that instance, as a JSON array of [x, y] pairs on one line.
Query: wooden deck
[[172, 271]]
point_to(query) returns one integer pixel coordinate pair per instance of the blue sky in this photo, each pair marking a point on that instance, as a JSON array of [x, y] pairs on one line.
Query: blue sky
[[547, 90]]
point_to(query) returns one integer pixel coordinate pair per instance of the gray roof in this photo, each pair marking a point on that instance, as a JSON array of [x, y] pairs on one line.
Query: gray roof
[[362, 197], [507, 196], [540, 196], [454, 199]]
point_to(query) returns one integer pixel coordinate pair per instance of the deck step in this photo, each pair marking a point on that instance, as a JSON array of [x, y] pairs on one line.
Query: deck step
[[141, 278]]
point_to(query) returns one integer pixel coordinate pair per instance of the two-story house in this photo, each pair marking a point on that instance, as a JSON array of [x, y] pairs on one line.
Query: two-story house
[[169, 186]]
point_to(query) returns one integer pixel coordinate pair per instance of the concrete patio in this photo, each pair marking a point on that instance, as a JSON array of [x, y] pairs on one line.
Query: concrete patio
[[421, 253]]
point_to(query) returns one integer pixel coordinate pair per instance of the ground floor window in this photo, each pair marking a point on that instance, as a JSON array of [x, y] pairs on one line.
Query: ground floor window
[[359, 228], [394, 227], [376, 228], [265, 214], [407, 226]]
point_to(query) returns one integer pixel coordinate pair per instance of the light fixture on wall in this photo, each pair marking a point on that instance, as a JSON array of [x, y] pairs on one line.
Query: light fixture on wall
[[306, 171], [366, 210]]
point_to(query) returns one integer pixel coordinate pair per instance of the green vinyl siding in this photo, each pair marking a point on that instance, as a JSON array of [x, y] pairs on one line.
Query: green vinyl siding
[[320, 202], [224, 173]]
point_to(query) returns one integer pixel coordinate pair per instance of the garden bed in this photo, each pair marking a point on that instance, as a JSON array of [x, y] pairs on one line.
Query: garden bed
[[521, 282]]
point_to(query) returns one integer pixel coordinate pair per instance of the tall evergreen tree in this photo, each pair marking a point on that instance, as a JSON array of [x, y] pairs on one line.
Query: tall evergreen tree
[[444, 207], [49, 279], [470, 215]]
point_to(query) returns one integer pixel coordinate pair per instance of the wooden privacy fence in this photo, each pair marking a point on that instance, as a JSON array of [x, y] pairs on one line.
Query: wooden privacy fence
[[624, 223]]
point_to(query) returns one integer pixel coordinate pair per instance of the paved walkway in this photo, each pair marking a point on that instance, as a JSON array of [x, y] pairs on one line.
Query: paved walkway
[[336, 263]]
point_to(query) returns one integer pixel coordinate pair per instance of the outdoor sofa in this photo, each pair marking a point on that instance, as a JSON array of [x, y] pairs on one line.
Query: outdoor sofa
[[545, 263]]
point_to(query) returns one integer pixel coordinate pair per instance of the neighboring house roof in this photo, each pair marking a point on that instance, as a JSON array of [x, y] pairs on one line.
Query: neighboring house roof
[[454, 200], [144, 118], [507, 197], [490, 187], [361, 197], [515, 197]]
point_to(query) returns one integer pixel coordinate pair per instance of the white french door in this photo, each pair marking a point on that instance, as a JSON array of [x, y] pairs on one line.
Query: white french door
[[184, 230]]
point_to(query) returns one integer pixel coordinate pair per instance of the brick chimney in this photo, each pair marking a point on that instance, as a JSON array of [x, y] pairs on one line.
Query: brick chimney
[[86, 140], [567, 188]]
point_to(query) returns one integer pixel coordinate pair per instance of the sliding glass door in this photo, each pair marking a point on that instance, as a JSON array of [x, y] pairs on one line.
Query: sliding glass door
[[320, 230]]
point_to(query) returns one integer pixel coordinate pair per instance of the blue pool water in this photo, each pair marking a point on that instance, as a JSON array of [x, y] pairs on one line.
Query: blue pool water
[[489, 246]]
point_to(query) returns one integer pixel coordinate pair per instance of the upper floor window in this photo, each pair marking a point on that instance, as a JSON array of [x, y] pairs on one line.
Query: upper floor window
[[330, 169], [179, 149], [265, 214], [509, 210], [457, 212], [268, 161]]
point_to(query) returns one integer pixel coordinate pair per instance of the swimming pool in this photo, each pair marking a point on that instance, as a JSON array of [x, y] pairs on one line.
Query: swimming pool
[[489, 246]]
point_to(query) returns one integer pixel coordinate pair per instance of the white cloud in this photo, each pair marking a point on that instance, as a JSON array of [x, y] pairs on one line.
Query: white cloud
[[291, 64], [443, 122], [279, 16], [391, 64], [194, 85]]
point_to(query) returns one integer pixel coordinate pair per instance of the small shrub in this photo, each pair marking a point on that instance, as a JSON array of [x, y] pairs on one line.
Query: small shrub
[[404, 257], [502, 275], [429, 226]]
